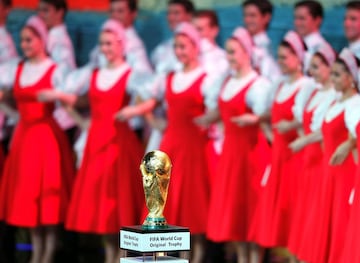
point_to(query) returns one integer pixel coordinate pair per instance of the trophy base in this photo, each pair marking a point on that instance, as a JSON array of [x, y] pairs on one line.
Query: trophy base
[[163, 259], [138, 239], [151, 223]]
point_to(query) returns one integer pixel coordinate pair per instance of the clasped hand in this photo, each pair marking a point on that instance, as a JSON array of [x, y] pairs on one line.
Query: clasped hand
[[48, 95], [246, 119]]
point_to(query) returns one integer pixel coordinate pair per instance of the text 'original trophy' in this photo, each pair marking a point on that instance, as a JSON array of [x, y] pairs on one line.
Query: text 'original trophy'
[[154, 238]]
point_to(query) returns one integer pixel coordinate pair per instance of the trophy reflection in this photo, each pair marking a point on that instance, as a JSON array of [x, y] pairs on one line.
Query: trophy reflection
[[155, 168]]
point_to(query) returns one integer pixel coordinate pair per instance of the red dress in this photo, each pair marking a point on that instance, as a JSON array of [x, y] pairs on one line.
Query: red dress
[[108, 190], [271, 223], [39, 170], [234, 194], [351, 250], [185, 143], [335, 191], [2, 160], [304, 223], [213, 150]]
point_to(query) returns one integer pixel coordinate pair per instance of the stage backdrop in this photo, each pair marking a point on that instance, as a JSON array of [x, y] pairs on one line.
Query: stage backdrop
[[73, 4], [158, 5], [86, 16]]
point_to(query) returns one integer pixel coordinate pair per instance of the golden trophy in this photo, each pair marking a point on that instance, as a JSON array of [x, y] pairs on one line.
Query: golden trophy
[[155, 169], [154, 238]]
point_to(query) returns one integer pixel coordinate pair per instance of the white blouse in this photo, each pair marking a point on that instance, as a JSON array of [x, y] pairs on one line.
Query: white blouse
[[313, 42], [164, 59], [60, 47], [352, 115], [257, 97], [181, 81], [338, 108], [7, 46], [355, 48], [301, 99], [213, 58], [263, 59], [78, 81], [31, 73], [322, 101], [136, 55], [288, 89], [262, 41]]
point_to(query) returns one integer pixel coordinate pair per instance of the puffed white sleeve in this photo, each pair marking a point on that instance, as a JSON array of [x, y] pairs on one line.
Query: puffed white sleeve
[[8, 74], [223, 67], [157, 53], [138, 83], [352, 115], [78, 80], [137, 58], [266, 64], [59, 76], [211, 89], [163, 58], [63, 54], [320, 111], [149, 86], [258, 96], [274, 87], [7, 49], [307, 88], [96, 58]]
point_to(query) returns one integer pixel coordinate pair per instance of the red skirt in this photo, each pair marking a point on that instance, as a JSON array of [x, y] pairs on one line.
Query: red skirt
[[236, 189], [333, 211], [272, 220], [352, 241], [188, 195], [38, 174], [108, 190], [305, 221]]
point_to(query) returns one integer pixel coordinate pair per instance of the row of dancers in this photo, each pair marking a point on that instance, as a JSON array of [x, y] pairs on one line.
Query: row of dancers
[[263, 154]]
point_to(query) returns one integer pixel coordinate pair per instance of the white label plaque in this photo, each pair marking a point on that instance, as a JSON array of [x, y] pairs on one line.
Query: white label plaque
[[150, 259], [154, 242]]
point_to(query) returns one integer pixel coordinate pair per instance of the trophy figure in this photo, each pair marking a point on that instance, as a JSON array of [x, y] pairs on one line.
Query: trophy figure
[[155, 168]]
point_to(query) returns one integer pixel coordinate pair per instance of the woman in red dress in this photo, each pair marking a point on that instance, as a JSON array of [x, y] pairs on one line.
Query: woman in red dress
[[189, 94], [38, 173], [339, 173], [185, 141], [272, 220], [243, 102], [304, 223], [108, 188], [352, 120]]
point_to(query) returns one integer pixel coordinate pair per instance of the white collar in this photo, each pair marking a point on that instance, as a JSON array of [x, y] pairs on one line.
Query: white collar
[[261, 39], [355, 45], [313, 39], [206, 45], [130, 30], [195, 71], [58, 28]]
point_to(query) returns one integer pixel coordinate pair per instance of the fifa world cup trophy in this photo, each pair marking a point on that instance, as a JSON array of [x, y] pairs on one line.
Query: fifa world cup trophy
[[155, 169]]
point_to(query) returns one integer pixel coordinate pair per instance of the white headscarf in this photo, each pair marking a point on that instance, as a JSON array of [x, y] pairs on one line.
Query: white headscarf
[[296, 43], [39, 26], [245, 39], [190, 31], [116, 28], [349, 59], [328, 53]]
